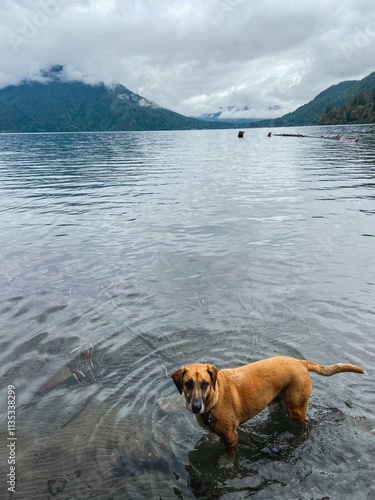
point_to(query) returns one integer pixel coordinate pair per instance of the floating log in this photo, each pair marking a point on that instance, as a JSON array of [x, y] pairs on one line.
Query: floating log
[[241, 133], [334, 138], [291, 135]]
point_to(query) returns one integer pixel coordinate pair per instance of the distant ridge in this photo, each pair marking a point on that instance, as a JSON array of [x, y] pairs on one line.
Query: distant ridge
[[233, 114], [55, 105]]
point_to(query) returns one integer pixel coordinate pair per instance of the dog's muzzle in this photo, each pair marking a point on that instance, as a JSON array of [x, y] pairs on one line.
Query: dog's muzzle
[[197, 406]]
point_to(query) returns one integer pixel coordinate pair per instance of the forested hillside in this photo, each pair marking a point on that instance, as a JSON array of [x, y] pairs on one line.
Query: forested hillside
[[360, 109]]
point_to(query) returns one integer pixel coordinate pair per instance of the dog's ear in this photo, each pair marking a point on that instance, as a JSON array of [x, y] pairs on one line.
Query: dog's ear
[[212, 370], [178, 376]]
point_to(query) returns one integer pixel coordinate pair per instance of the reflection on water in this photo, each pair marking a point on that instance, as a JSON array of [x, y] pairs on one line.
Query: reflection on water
[[126, 255]]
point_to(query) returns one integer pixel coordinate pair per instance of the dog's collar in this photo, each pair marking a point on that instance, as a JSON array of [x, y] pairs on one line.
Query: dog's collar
[[210, 417]]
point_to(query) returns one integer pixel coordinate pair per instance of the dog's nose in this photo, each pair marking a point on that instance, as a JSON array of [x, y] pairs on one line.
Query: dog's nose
[[196, 406]]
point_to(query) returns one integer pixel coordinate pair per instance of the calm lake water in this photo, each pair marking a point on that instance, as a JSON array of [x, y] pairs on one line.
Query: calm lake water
[[127, 255]]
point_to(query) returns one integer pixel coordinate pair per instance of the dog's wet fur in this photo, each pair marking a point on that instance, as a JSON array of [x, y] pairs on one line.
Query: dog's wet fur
[[223, 399]]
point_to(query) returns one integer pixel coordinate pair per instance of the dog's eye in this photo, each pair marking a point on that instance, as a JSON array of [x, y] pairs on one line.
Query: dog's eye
[[204, 384], [189, 384]]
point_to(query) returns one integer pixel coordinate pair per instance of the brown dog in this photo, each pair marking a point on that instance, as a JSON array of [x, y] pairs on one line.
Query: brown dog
[[226, 398]]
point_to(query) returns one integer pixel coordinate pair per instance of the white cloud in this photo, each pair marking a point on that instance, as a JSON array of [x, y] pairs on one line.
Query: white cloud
[[193, 56]]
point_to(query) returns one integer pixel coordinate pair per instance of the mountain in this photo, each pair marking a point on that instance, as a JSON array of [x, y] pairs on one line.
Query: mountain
[[311, 113], [55, 105]]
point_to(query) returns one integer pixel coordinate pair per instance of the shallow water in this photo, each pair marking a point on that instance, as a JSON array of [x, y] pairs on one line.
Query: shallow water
[[127, 255]]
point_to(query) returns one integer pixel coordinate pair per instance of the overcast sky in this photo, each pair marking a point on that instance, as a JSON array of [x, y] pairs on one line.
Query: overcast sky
[[194, 56]]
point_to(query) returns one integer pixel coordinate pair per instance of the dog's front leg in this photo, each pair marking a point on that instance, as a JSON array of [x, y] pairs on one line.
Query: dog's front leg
[[230, 439]]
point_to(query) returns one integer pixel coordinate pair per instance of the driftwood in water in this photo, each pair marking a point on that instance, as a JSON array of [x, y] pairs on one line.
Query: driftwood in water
[[241, 133], [334, 138], [339, 138], [82, 369]]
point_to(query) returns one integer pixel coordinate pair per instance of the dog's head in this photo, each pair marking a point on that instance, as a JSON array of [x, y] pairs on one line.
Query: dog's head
[[198, 383]]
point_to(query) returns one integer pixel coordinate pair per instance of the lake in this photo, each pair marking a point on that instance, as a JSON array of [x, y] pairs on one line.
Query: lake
[[126, 255]]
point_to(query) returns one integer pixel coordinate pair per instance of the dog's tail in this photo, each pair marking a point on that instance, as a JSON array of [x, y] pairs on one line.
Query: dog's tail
[[327, 371]]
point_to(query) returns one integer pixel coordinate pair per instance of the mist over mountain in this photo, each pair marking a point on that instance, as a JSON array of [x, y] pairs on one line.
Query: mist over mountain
[[54, 103], [238, 115]]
